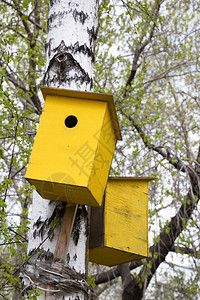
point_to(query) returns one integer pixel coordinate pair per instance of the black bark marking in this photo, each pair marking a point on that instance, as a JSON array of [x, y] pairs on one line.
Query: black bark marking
[[48, 47], [71, 3], [82, 49], [87, 228], [93, 32], [52, 2], [55, 16], [76, 48], [68, 258], [64, 68], [80, 16], [91, 84], [81, 214], [45, 255], [42, 255], [75, 257], [48, 225]]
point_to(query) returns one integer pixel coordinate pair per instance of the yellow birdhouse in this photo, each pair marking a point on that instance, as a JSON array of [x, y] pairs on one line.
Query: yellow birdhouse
[[74, 146], [119, 229]]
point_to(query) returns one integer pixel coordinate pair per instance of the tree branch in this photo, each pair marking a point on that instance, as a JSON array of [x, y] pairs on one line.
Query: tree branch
[[186, 250], [165, 152], [142, 45]]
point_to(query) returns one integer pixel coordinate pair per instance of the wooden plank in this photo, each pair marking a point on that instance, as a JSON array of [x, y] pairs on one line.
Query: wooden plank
[[65, 232], [63, 241]]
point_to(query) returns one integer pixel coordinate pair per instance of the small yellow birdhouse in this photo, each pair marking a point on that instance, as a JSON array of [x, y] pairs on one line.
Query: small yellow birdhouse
[[74, 146], [119, 229]]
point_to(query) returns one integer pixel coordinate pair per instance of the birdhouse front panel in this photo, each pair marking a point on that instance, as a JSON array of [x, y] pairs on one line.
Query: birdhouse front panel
[[67, 149], [119, 229]]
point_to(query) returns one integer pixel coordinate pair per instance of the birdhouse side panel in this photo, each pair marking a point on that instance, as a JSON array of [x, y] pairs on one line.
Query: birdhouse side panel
[[103, 156], [126, 216]]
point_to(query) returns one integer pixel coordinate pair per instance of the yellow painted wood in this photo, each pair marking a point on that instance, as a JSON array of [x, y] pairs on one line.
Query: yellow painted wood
[[72, 164], [125, 222], [102, 161]]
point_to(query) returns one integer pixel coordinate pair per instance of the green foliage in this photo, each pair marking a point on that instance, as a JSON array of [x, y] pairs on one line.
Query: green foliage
[[23, 25], [91, 281]]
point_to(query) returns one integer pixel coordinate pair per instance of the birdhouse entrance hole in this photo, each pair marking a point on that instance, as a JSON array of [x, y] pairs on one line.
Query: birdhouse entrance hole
[[71, 121]]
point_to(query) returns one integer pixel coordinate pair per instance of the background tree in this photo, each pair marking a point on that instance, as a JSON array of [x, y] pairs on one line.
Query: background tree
[[147, 55], [23, 29]]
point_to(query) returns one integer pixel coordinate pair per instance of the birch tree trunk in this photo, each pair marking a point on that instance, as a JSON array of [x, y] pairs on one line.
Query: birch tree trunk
[[72, 28]]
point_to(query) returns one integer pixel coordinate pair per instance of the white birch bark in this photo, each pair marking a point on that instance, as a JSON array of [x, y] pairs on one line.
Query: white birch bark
[[72, 27]]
